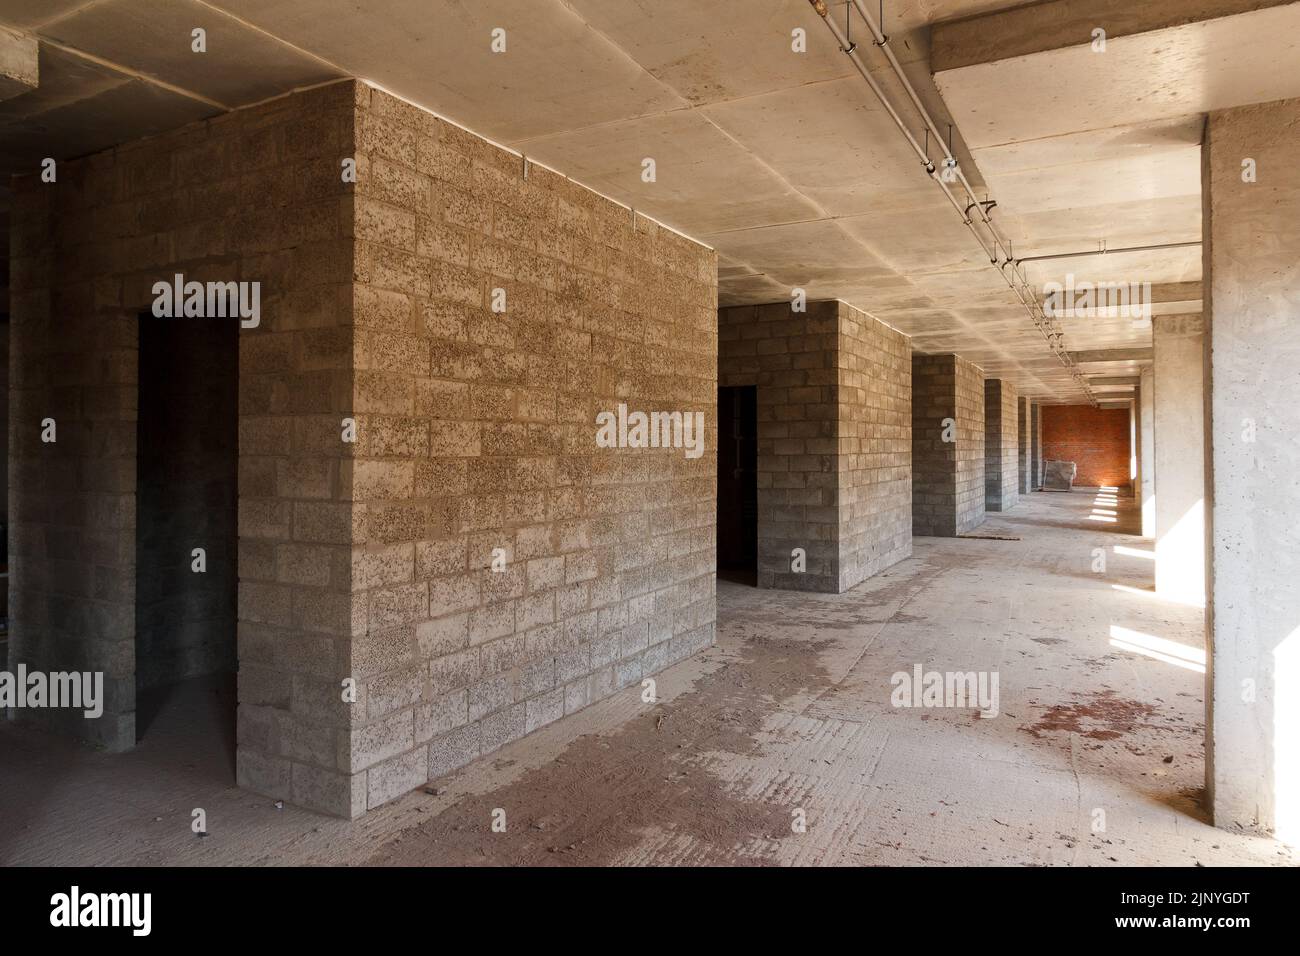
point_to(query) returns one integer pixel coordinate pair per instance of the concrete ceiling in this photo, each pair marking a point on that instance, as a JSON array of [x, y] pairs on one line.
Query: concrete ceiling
[[782, 161], [1102, 147]]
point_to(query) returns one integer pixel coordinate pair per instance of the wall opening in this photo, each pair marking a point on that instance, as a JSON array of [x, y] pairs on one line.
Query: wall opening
[[738, 484], [186, 529]]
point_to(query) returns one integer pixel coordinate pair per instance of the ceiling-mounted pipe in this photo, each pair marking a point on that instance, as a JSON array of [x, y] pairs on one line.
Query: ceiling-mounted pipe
[[1103, 251], [882, 41], [1017, 281], [850, 50]]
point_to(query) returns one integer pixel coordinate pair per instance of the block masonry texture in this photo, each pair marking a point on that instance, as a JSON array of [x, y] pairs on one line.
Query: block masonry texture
[[1001, 445], [253, 195], [834, 439], [947, 445], [506, 570], [372, 560]]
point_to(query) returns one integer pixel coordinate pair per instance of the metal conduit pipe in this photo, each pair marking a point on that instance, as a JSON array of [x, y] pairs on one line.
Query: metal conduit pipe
[[882, 41], [1017, 281], [850, 50], [1103, 251], [1000, 244]]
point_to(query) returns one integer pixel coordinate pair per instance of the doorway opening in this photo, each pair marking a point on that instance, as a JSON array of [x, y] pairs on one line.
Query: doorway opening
[[738, 484], [187, 448]]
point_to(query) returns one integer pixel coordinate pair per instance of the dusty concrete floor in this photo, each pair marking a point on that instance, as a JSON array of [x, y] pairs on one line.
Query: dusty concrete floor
[[790, 712]]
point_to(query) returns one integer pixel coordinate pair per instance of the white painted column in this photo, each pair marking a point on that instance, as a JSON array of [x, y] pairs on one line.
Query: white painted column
[[1147, 450], [1252, 273], [1180, 457]]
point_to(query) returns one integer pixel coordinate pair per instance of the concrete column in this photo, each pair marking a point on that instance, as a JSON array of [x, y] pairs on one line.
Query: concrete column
[[1036, 446], [1147, 450], [1135, 457], [947, 445], [1251, 271], [1001, 446], [1180, 457], [1025, 447]]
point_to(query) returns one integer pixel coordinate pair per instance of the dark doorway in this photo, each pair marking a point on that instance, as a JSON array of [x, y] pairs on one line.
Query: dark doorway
[[186, 499], [738, 484]]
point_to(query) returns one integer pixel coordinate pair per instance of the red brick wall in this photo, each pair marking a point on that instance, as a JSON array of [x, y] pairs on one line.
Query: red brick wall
[[1096, 439]]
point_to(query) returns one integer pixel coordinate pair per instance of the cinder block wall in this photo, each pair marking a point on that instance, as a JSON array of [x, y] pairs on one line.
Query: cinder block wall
[[370, 559], [477, 435], [947, 476], [874, 467], [834, 439], [253, 195], [791, 358], [1001, 446]]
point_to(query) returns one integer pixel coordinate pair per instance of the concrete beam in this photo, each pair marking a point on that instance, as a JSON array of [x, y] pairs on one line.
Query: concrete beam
[[1023, 31], [1115, 355], [19, 63], [1114, 380], [1176, 298]]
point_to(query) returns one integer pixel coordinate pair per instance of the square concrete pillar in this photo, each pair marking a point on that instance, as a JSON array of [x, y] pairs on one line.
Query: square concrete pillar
[[1251, 233], [1147, 450], [1035, 446], [834, 439], [1024, 447], [1001, 445], [1180, 457], [947, 445]]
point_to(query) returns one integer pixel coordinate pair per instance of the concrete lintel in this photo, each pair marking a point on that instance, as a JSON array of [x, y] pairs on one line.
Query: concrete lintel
[[1114, 355], [1042, 27], [19, 63]]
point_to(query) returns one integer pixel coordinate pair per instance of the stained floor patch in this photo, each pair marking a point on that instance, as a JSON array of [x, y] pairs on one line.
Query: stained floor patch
[[606, 793]]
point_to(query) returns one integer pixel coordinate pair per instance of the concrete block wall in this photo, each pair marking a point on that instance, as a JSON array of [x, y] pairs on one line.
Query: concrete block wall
[[367, 556], [947, 476], [253, 195], [791, 358], [1001, 445], [834, 439], [477, 440], [874, 466]]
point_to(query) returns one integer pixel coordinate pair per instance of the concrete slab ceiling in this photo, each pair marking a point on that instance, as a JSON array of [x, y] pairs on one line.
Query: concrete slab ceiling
[[241, 65], [18, 64], [1090, 145], [782, 161]]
